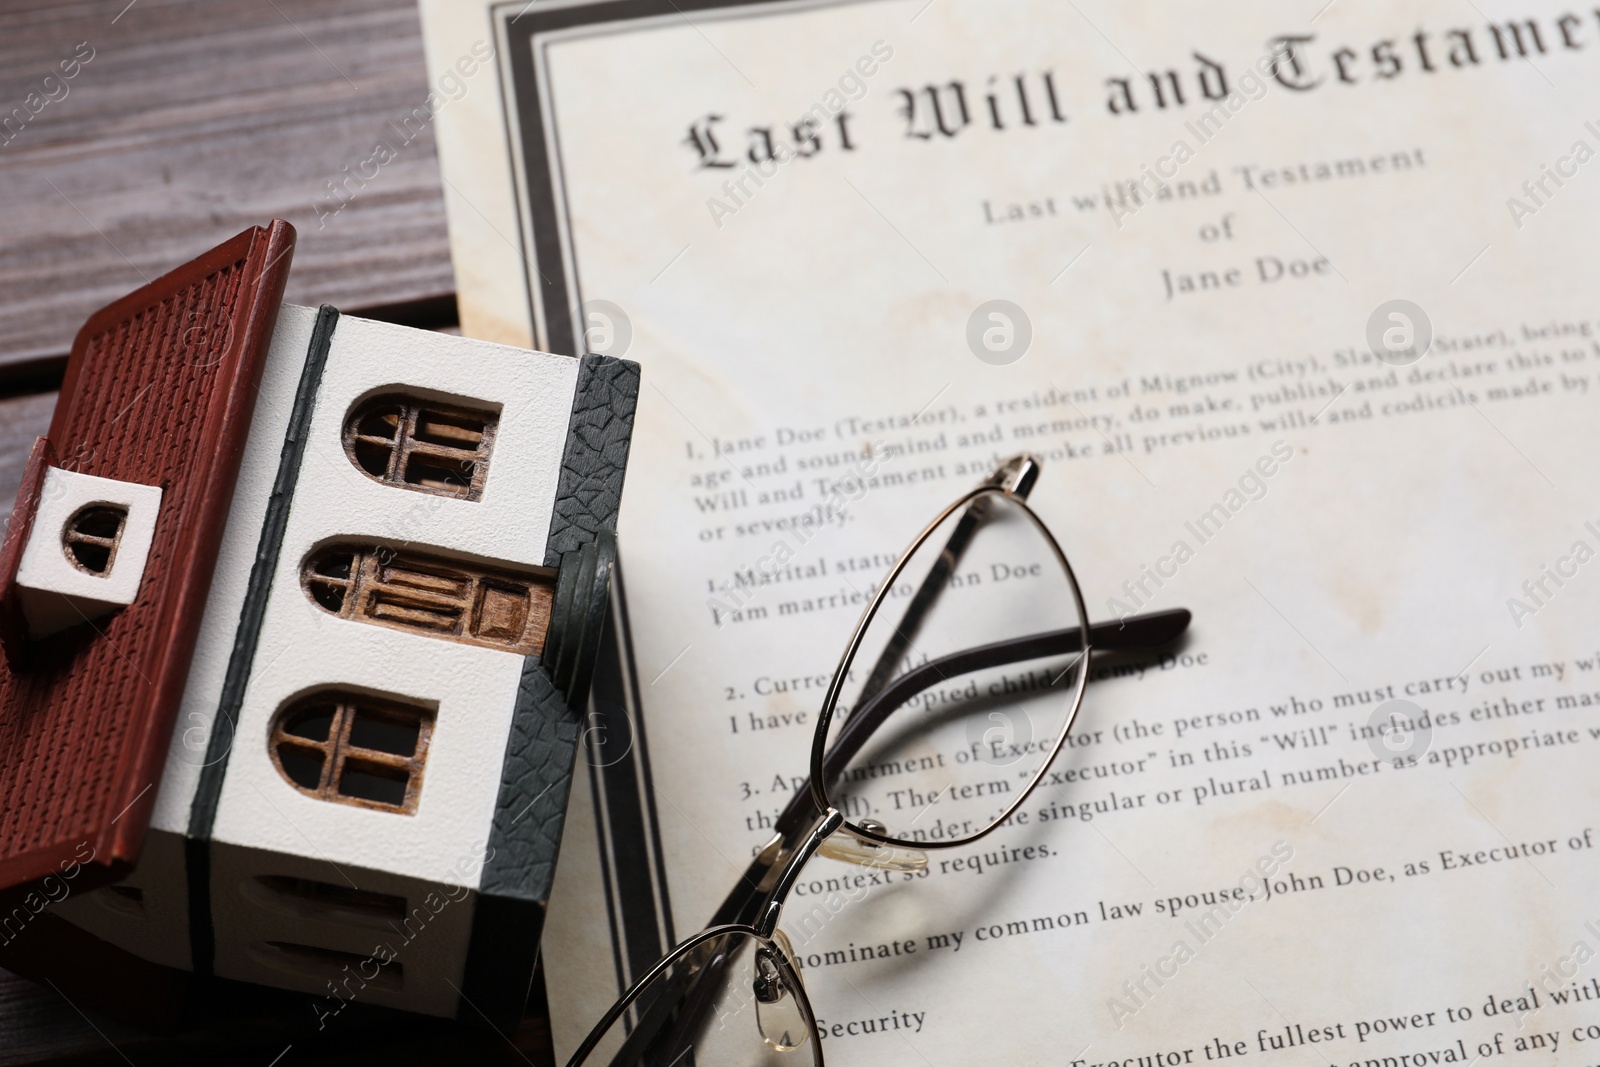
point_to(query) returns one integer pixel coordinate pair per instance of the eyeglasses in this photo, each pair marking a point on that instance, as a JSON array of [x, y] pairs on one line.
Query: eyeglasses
[[936, 745]]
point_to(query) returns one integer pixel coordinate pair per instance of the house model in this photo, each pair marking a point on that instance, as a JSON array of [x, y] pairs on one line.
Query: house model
[[299, 613]]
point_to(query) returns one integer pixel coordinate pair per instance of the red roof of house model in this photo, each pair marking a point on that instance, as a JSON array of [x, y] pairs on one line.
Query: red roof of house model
[[159, 391]]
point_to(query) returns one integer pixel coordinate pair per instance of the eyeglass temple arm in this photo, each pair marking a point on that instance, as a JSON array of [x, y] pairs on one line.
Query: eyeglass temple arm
[[1131, 634], [682, 1002], [1135, 633], [680, 1013], [667, 1027]]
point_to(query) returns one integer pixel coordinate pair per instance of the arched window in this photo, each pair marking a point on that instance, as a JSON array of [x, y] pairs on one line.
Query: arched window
[[417, 444], [91, 537], [354, 749], [426, 594]]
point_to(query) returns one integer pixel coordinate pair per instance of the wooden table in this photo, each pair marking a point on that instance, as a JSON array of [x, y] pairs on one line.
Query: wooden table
[[188, 122]]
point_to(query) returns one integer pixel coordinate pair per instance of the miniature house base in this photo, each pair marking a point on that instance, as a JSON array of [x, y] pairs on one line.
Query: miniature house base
[[362, 792]]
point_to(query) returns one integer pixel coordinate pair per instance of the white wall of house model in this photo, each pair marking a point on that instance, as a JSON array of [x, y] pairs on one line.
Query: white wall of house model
[[264, 826]]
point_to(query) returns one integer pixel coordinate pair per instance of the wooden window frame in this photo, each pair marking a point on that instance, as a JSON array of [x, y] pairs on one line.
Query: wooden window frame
[[429, 595], [406, 446], [337, 749], [71, 535]]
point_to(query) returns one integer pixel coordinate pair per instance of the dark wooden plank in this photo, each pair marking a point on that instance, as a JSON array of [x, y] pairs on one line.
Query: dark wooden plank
[[195, 119], [36, 1026], [22, 418], [246, 1024]]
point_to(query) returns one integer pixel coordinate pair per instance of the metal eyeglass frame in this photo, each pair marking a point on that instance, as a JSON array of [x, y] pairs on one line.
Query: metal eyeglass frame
[[668, 1027]]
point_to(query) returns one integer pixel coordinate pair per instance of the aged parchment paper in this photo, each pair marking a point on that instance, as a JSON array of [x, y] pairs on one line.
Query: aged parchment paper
[[1199, 216]]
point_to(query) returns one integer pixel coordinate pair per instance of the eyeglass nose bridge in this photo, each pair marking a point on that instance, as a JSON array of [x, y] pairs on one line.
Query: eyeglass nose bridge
[[773, 911]]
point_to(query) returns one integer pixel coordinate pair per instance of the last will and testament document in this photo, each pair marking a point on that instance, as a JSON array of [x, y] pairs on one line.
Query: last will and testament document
[[1296, 302]]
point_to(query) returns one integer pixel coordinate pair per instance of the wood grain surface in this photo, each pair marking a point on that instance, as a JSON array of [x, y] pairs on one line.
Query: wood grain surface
[[246, 1025], [193, 120], [22, 418]]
